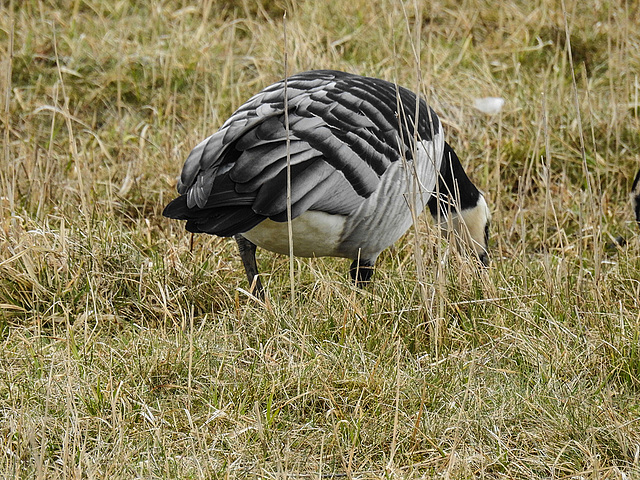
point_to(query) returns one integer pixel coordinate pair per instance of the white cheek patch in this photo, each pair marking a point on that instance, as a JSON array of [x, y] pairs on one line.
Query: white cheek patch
[[473, 225]]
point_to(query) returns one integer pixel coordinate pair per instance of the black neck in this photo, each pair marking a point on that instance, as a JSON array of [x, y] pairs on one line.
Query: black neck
[[455, 189]]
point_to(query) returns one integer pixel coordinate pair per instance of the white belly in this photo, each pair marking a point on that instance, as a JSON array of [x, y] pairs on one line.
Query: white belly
[[315, 234]]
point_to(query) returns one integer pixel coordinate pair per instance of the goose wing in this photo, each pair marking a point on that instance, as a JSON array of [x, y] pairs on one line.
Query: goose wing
[[344, 132]]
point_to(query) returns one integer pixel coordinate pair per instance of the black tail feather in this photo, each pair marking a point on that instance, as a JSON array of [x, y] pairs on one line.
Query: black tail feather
[[221, 221]]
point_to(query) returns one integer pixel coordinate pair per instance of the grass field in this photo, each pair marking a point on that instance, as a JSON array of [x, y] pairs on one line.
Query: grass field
[[130, 349]]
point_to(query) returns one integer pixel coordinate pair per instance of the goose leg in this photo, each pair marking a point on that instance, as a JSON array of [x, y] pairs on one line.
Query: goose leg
[[361, 271], [247, 251], [635, 192]]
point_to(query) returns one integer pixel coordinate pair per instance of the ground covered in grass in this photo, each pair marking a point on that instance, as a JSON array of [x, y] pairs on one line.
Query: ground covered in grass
[[130, 349]]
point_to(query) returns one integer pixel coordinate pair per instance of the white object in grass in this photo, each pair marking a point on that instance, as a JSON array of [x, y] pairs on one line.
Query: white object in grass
[[489, 105]]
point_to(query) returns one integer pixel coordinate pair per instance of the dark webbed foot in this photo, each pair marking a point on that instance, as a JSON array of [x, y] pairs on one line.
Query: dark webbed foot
[[248, 255], [361, 272]]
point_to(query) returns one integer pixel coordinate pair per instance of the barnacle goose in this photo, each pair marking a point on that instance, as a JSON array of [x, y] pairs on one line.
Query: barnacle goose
[[635, 196], [357, 168]]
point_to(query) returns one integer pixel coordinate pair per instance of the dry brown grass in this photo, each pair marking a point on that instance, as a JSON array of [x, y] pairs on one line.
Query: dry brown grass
[[128, 354]]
